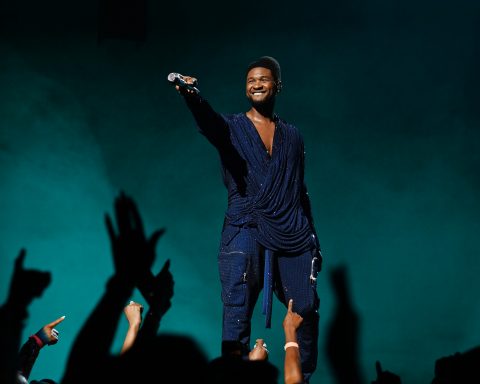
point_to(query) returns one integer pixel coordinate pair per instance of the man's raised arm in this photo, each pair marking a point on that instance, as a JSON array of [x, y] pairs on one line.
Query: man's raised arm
[[210, 123]]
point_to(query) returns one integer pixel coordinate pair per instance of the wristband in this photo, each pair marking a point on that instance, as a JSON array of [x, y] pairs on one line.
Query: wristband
[[290, 344], [38, 341]]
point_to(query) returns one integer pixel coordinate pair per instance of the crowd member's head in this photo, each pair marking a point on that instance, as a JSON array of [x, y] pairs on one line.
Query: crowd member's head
[[236, 370], [165, 358], [460, 368]]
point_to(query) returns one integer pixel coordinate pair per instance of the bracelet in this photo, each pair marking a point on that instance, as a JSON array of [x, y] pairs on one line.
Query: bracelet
[[38, 341], [290, 344]]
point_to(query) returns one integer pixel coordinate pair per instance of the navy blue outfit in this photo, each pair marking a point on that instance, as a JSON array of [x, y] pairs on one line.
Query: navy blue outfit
[[268, 238]]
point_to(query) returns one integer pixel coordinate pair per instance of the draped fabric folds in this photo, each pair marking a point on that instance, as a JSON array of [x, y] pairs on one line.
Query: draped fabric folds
[[272, 199], [264, 192]]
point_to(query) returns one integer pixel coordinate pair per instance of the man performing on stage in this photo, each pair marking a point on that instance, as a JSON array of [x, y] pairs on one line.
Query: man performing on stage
[[268, 238]]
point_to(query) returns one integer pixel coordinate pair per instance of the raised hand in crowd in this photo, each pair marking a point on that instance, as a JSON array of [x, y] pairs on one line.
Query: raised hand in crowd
[[292, 367], [131, 244], [26, 285], [47, 335], [459, 368], [161, 291], [385, 377], [259, 351], [158, 292], [133, 255], [343, 332], [133, 313]]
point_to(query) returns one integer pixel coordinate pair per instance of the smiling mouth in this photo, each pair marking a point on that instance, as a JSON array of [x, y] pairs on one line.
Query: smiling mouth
[[257, 93]]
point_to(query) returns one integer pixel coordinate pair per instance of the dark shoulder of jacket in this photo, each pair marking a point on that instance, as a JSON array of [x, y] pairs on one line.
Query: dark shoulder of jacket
[[291, 128], [284, 122], [232, 118]]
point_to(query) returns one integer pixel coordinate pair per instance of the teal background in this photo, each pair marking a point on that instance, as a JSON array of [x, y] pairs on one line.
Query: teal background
[[385, 94]]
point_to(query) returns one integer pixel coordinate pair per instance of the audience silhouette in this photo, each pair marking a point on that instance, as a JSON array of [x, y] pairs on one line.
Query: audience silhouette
[[460, 368], [47, 335], [147, 356], [342, 339], [385, 377], [26, 285]]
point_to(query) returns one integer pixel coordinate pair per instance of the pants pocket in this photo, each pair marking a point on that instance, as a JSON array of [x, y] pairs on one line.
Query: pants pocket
[[233, 277], [316, 267], [229, 232]]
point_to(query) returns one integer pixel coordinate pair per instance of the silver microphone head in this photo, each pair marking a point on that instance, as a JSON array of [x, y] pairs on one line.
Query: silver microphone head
[[173, 76], [178, 78]]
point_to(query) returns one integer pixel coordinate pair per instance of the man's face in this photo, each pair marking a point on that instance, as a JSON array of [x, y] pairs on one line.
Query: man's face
[[261, 87]]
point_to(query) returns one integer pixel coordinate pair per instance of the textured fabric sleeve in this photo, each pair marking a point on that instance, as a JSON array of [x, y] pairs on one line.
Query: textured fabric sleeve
[[210, 123]]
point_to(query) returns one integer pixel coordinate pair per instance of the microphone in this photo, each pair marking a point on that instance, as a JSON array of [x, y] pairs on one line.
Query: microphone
[[178, 79]]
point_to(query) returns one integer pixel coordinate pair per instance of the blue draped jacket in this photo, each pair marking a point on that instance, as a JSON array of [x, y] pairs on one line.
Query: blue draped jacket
[[266, 193]]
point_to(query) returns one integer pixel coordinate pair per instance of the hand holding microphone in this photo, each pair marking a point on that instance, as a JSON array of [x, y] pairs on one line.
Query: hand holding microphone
[[183, 84]]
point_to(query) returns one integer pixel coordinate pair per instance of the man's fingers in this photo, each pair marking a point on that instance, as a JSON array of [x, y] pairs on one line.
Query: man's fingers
[[378, 367], [20, 258], [58, 321]]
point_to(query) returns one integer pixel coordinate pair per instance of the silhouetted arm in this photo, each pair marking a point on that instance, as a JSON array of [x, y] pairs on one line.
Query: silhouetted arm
[[158, 292], [292, 365], [26, 285], [133, 313], [342, 338], [47, 335], [210, 123], [133, 255], [92, 345], [27, 356]]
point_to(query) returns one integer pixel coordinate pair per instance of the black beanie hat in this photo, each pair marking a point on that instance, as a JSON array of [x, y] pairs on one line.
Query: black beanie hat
[[269, 63]]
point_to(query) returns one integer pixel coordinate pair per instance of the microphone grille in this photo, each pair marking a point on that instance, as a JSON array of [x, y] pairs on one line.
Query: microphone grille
[[172, 76]]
